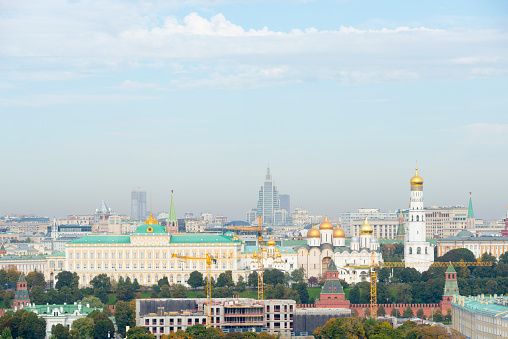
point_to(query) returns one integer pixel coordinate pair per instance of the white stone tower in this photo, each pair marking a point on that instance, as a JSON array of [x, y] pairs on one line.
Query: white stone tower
[[416, 249]]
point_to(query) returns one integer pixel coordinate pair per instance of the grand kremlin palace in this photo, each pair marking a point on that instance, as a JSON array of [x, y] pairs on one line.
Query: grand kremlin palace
[[146, 255]]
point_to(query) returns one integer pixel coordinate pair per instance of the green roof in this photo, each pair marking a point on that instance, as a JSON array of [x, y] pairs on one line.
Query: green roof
[[294, 243], [451, 269], [172, 213], [484, 305], [155, 229], [102, 239], [22, 257], [67, 309], [59, 254], [201, 238]]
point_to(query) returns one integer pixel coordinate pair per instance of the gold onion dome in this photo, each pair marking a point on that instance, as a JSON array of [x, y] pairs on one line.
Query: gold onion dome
[[314, 233], [151, 220], [366, 228], [326, 225], [277, 250], [338, 232], [278, 255], [416, 180], [270, 242], [255, 255]]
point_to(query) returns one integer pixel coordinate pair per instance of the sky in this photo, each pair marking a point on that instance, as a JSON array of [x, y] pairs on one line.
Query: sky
[[340, 98]]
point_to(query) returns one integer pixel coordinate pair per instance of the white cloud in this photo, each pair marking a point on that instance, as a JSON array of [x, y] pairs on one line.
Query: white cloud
[[60, 40], [136, 85]]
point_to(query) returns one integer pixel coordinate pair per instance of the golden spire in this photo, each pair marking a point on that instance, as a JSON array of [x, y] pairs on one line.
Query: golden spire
[[151, 220], [366, 229], [416, 181], [326, 225]]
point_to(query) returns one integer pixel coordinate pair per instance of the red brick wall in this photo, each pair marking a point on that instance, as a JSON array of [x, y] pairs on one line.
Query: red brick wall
[[427, 308]]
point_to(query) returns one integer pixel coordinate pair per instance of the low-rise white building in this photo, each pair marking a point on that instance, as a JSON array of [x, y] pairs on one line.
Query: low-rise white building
[[60, 314]]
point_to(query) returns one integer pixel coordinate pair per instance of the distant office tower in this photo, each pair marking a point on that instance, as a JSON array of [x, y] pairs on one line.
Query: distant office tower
[[268, 201], [285, 202], [252, 216], [138, 205]]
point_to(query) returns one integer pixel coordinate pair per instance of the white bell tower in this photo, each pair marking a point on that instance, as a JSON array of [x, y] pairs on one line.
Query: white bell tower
[[416, 249]]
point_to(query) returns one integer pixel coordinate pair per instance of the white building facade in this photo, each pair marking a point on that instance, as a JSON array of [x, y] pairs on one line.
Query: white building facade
[[416, 248]]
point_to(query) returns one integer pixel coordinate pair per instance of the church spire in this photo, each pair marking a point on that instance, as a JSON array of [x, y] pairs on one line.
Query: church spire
[[172, 226], [470, 213]]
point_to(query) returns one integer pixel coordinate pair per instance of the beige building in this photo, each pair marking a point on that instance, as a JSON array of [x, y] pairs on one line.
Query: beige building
[[383, 228], [147, 255], [478, 245], [481, 316], [24, 263], [444, 221], [195, 225]]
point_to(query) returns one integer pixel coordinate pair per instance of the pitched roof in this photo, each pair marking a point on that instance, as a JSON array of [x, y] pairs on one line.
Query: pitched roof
[[201, 238], [102, 239], [451, 269], [470, 213]]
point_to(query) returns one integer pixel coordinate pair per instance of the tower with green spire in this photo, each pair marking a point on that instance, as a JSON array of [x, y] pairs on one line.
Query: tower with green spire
[[172, 225], [451, 288], [401, 233], [470, 220]]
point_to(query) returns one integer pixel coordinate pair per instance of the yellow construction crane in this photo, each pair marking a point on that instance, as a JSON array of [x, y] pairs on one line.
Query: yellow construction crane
[[261, 248], [209, 261], [374, 266]]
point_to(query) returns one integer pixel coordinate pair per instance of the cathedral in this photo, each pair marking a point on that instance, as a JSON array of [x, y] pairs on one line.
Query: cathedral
[[328, 243]]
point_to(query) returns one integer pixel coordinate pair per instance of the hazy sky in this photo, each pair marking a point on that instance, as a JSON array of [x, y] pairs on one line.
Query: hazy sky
[[340, 97]]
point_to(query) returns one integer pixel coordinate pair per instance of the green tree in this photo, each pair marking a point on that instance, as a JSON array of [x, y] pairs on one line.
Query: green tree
[[381, 311], [164, 281], [179, 291], [165, 291], [225, 279], [102, 294], [301, 288], [35, 279], [438, 316], [101, 281], [135, 284], [32, 327], [395, 312], [240, 285], [104, 329], [383, 294], [139, 333], [420, 314], [341, 328], [196, 331], [384, 275], [66, 278], [312, 281], [408, 313], [38, 295], [92, 302], [457, 254], [404, 294], [409, 275], [60, 331], [124, 316], [82, 328], [6, 334], [298, 275], [253, 279], [273, 277], [195, 279], [354, 295]]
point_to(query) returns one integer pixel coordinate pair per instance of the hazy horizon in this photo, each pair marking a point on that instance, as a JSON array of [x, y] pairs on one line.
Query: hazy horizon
[[339, 97]]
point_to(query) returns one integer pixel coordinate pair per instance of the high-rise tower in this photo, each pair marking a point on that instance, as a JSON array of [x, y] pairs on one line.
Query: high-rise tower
[[416, 249], [138, 205], [268, 201]]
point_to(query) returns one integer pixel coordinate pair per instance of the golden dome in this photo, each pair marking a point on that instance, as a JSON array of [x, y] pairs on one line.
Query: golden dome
[[277, 250], [326, 225], [255, 255], [416, 180], [270, 242], [313, 233], [366, 228], [338, 232], [278, 255], [151, 220], [264, 249]]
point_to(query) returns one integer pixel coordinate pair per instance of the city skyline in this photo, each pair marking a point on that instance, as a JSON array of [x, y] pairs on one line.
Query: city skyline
[[340, 97]]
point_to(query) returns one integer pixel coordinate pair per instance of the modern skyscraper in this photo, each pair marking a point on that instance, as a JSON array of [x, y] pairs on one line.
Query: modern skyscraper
[[138, 205], [416, 249], [268, 201], [285, 202]]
